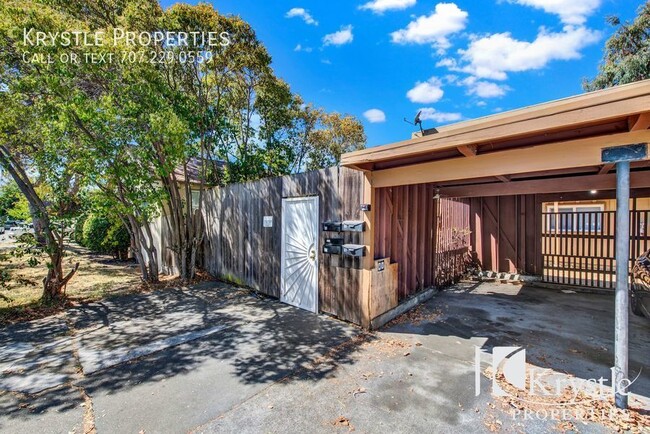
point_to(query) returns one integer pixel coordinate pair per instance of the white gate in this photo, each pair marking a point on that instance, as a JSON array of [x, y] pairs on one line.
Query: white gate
[[299, 281]]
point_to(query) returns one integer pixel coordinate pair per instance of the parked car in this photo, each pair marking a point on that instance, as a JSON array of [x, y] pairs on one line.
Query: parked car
[[640, 288]]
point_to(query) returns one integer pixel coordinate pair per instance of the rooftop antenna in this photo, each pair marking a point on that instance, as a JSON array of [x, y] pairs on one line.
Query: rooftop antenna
[[417, 121]]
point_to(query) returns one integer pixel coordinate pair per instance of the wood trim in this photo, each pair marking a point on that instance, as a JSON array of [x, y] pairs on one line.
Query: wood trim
[[606, 168], [369, 219], [639, 122], [468, 150], [561, 155], [503, 178], [589, 108], [546, 186]]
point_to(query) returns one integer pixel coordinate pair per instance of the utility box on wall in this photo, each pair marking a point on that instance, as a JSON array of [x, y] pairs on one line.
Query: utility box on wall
[[353, 226], [331, 226], [333, 246], [356, 250]]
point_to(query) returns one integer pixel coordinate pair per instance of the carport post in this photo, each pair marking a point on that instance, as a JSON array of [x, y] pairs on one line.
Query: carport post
[[622, 282], [622, 155]]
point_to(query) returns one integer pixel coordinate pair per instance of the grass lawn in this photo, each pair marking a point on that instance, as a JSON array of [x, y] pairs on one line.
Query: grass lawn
[[99, 276]]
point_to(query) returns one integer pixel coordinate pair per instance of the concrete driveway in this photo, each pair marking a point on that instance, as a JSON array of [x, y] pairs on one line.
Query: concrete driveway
[[215, 359], [418, 373], [160, 362]]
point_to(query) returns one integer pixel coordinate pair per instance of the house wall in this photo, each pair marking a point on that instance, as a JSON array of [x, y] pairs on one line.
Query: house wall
[[238, 248], [427, 238], [507, 230], [506, 233]]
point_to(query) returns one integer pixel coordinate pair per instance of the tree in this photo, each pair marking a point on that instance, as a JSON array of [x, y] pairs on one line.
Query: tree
[[135, 129], [31, 138], [340, 134], [9, 197], [627, 53]]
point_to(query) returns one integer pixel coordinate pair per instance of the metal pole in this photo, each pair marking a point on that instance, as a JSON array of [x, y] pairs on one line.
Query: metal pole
[[622, 282]]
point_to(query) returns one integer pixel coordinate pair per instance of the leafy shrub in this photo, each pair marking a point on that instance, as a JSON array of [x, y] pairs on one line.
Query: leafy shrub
[[78, 233], [103, 235], [94, 231], [118, 240]]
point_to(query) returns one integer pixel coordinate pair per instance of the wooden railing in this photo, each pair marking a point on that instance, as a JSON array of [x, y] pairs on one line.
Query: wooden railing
[[578, 248]]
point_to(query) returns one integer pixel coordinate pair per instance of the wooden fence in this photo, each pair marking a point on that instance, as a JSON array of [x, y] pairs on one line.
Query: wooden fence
[[238, 247], [578, 248]]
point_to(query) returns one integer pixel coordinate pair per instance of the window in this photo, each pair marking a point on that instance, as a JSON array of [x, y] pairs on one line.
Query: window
[[195, 200], [574, 218]]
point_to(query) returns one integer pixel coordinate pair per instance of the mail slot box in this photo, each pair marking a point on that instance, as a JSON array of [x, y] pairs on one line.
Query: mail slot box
[[332, 249], [356, 250], [334, 241], [354, 226], [332, 226]]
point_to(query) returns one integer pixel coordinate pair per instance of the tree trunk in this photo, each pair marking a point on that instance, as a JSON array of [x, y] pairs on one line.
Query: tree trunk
[[38, 223], [55, 282]]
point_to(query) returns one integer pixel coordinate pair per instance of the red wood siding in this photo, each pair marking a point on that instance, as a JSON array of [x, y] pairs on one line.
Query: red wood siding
[[428, 238], [506, 233]]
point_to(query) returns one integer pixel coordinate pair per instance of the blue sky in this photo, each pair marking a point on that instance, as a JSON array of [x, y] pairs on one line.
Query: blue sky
[[384, 60]]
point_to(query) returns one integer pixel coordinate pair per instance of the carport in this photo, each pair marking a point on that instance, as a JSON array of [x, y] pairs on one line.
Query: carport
[[492, 191], [479, 193]]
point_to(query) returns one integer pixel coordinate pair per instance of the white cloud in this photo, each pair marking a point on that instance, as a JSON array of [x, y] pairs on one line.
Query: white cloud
[[302, 13], [375, 116], [569, 11], [301, 48], [429, 113], [481, 104], [343, 36], [434, 29], [426, 92], [495, 55], [484, 89], [381, 6]]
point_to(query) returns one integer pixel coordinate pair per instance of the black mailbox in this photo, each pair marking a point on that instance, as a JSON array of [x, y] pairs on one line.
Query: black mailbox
[[334, 241], [356, 250], [332, 226], [332, 249], [354, 226]]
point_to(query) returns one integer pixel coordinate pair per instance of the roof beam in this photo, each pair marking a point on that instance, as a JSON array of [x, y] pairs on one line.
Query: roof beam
[[468, 150], [588, 109], [543, 186], [639, 122], [554, 156], [606, 168]]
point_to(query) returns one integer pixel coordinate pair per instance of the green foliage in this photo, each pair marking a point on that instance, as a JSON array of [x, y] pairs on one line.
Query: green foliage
[[9, 196], [78, 234], [95, 229], [20, 210], [117, 240], [101, 234], [127, 127], [627, 53], [27, 246]]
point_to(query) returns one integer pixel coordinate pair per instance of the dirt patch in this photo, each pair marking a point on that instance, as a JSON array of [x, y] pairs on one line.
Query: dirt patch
[[416, 316], [98, 277]]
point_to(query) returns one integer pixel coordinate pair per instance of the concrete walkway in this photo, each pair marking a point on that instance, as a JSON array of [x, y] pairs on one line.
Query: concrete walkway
[[215, 359], [164, 362]]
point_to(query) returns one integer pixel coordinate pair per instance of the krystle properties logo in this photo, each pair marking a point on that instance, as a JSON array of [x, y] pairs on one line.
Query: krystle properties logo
[[509, 372]]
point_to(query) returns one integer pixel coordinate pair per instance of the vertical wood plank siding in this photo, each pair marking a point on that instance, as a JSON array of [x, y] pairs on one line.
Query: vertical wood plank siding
[[238, 248], [428, 238], [506, 233]]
